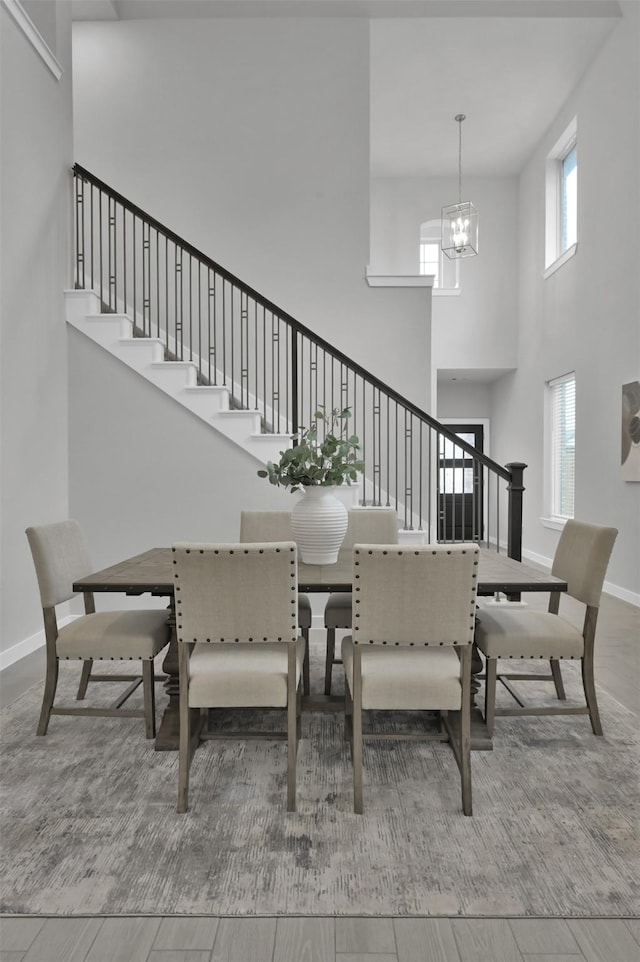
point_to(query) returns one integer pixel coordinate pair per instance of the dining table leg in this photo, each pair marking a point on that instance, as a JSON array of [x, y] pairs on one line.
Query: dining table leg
[[168, 734]]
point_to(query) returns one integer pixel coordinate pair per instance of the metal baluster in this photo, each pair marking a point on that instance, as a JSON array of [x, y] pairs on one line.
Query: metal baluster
[[100, 246], [179, 306], [211, 325], [133, 310], [145, 278], [200, 352], [294, 382], [78, 184], [420, 515], [256, 392]]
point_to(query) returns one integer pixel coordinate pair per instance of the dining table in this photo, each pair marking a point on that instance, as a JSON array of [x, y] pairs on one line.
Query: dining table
[[151, 572]]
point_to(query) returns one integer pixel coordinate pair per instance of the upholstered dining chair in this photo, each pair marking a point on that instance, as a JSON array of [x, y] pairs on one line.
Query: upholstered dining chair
[[370, 525], [61, 557], [238, 639], [581, 559], [413, 621], [276, 526]]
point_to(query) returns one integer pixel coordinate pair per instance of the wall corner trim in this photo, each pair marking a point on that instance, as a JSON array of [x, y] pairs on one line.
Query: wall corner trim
[[399, 280], [31, 32]]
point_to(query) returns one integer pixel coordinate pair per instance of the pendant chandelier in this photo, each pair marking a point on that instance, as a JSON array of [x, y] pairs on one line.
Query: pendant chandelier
[[459, 221]]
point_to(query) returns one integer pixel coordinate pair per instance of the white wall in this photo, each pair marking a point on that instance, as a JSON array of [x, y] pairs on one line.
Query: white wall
[[478, 328], [464, 400], [249, 138], [586, 316], [35, 194], [146, 472]]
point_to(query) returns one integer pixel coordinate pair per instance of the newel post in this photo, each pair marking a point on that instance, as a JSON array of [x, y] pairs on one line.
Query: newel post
[[515, 488]]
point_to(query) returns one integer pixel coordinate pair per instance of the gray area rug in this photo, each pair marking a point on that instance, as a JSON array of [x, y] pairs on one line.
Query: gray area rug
[[89, 823]]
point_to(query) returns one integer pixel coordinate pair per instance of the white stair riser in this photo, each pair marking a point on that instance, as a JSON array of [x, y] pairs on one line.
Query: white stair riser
[[80, 304], [171, 376], [237, 425], [106, 329], [139, 352], [205, 401]]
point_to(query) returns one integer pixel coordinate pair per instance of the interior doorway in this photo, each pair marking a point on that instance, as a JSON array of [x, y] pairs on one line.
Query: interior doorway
[[460, 494]]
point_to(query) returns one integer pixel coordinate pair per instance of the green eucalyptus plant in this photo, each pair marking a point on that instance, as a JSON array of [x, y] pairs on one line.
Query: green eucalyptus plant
[[331, 461]]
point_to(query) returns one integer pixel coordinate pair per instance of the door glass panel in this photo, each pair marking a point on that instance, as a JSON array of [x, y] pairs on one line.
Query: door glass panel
[[456, 480], [449, 450]]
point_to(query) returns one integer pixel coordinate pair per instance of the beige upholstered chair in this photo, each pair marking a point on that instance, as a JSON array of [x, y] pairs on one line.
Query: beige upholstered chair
[[581, 560], [370, 525], [61, 557], [276, 526], [413, 619], [238, 643]]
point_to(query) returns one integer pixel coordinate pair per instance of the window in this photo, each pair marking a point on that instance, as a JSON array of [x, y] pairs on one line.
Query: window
[[445, 271], [569, 199], [561, 186], [562, 436], [430, 260]]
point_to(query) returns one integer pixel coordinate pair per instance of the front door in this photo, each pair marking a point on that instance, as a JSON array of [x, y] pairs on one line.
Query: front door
[[460, 486]]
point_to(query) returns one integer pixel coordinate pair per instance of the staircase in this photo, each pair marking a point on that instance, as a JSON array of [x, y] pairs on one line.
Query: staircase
[[255, 374]]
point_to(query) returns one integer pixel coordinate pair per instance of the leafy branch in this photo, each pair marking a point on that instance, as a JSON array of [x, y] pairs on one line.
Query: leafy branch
[[333, 460]]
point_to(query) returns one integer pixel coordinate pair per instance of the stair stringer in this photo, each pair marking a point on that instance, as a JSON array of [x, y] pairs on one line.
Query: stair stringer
[[145, 355], [178, 379]]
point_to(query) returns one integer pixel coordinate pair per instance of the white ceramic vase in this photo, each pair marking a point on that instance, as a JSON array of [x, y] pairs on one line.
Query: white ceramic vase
[[319, 523]]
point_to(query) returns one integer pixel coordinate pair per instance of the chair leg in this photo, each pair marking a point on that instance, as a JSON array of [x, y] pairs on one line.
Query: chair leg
[[184, 759], [465, 733], [292, 752], [292, 727], [85, 678], [149, 695], [588, 684], [557, 678], [348, 715], [50, 685], [305, 665], [356, 743], [328, 668], [491, 671]]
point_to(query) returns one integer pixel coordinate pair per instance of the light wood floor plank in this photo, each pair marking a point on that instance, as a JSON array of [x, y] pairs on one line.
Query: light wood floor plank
[[367, 957], [420, 939], [178, 955], [553, 958], [64, 940], [124, 940], [601, 940], [244, 940], [365, 935], [17, 934], [485, 940], [634, 927], [305, 940], [186, 933], [544, 937]]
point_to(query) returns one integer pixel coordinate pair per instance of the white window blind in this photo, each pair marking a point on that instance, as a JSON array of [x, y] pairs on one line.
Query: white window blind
[[563, 435]]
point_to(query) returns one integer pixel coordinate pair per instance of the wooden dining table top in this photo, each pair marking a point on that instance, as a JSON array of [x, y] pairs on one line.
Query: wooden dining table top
[[151, 572]]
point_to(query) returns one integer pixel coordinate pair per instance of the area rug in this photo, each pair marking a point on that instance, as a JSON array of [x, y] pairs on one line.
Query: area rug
[[89, 823]]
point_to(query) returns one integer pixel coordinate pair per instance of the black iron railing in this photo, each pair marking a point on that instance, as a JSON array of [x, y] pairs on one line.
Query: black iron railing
[[271, 363]]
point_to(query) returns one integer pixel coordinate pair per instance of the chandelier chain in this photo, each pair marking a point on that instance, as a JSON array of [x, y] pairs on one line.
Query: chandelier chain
[[460, 118]]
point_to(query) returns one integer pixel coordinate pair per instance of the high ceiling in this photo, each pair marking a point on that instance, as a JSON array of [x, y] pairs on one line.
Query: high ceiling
[[506, 64]]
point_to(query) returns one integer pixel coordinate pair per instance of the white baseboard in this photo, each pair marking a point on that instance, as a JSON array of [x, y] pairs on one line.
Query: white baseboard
[[28, 645], [631, 597], [25, 647]]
